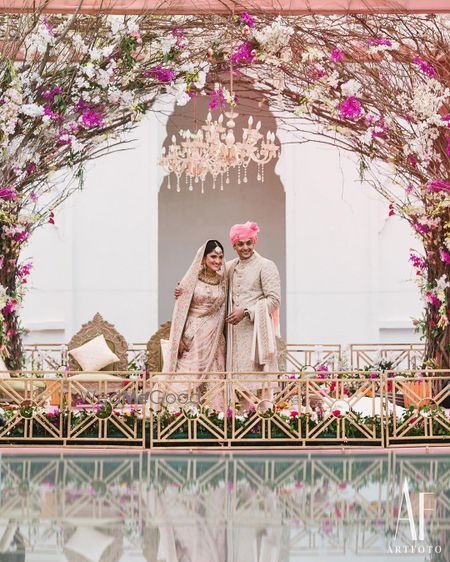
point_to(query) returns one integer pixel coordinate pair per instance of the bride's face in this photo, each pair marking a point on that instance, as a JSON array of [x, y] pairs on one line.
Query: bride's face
[[213, 261]]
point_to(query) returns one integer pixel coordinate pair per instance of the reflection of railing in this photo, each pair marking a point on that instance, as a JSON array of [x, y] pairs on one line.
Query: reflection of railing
[[231, 409], [392, 355], [154, 503]]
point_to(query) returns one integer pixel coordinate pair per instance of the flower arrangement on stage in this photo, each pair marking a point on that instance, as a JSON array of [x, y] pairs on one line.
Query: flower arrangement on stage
[[71, 85]]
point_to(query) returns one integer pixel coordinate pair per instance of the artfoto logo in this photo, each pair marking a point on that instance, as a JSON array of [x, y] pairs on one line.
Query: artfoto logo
[[416, 533]]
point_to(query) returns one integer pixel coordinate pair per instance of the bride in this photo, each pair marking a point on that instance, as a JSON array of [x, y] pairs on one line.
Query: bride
[[197, 343]]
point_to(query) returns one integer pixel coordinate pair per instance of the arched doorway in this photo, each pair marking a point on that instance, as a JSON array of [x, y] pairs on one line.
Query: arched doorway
[[188, 218]]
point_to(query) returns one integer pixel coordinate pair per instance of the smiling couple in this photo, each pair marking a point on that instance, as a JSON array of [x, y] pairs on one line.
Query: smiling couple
[[243, 294]]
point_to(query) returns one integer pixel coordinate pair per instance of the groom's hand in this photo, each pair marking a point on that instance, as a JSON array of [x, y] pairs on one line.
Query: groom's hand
[[236, 316], [178, 291]]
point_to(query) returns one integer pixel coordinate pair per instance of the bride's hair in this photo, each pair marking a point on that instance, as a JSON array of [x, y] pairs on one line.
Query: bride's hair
[[211, 245]]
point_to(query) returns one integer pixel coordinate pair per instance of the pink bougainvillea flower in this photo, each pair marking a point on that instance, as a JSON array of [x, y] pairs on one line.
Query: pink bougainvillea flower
[[48, 26], [217, 99], [161, 73], [21, 236], [25, 269], [425, 66], [421, 228], [54, 116], [247, 19], [336, 55], [417, 261], [51, 218], [91, 118], [375, 41], [9, 307], [8, 193], [438, 185], [30, 169], [445, 256], [314, 72], [245, 53], [52, 93], [433, 299], [337, 413], [350, 109]]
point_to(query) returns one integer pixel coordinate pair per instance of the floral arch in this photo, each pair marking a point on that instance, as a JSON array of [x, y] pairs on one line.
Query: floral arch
[[72, 85]]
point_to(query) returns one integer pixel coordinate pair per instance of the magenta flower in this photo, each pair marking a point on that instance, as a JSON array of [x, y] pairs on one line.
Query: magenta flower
[[30, 169], [438, 185], [448, 148], [421, 228], [25, 269], [161, 74], [425, 66], [91, 118], [380, 41], [350, 109], [247, 19], [52, 93], [179, 34], [336, 55], [21, 236], [445, 256], [48, 111], [9, 307], [217, 99], [314, 72], [417, 261], [48, 26], [245, 53], [432, 299], [8, 193]]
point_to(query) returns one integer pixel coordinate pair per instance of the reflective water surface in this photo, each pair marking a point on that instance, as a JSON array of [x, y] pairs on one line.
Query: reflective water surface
[[137, 506]]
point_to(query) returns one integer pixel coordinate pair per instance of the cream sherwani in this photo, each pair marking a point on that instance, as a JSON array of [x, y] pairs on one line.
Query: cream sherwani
[[254, 284]]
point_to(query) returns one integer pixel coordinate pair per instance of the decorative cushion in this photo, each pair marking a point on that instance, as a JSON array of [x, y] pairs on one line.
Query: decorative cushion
[[90, 377], [164, 351], [21, 386], [94, 355], [89, 543]]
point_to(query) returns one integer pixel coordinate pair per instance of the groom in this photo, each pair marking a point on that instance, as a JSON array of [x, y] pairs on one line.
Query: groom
[[253, 303]]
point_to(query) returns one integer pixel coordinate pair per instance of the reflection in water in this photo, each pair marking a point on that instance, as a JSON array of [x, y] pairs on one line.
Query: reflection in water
[[210, 508]]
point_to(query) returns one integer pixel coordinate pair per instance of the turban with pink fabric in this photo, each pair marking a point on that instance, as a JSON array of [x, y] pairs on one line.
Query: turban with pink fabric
[[247, 231]]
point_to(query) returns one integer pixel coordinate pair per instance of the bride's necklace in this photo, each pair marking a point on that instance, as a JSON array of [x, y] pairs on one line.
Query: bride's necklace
[[209, 279]]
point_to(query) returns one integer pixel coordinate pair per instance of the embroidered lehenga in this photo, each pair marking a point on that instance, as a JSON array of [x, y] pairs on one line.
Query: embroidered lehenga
[[198, 318]]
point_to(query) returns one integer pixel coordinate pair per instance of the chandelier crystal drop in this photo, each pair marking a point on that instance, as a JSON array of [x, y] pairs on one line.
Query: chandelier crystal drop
[[213, 150]]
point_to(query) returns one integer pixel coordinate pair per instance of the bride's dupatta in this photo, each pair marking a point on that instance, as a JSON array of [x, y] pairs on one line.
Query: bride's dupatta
[[181, 310]]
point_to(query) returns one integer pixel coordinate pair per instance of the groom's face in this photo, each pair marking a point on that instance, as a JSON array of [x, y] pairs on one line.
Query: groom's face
[[245, 248]]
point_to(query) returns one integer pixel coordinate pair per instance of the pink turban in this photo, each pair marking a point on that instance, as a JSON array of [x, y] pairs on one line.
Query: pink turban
[[247, 231]]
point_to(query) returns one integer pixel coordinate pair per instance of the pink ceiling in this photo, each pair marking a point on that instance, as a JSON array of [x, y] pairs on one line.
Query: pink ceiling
[[226, 6]]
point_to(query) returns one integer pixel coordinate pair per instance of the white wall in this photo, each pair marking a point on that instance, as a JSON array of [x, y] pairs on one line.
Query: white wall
[[348, 277]]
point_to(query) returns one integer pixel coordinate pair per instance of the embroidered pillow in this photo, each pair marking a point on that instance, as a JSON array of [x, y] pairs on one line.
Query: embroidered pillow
[[94, 355]]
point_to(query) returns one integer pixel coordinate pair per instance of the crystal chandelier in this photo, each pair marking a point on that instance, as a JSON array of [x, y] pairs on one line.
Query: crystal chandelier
[[213, 150]]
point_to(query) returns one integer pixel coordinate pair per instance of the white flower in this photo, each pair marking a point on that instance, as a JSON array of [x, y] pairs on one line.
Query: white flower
[[32, 110], [273, 38], [132, 25], [167, 43], [220, 416], [3, 296], [350, 88], [88, 69], [312, 55], [117, 24]]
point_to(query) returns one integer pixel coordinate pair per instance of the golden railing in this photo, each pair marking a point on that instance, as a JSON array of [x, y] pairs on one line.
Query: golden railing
[[299, 504], [41, 356], [397, 356], [233, 410], [301, 356]]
